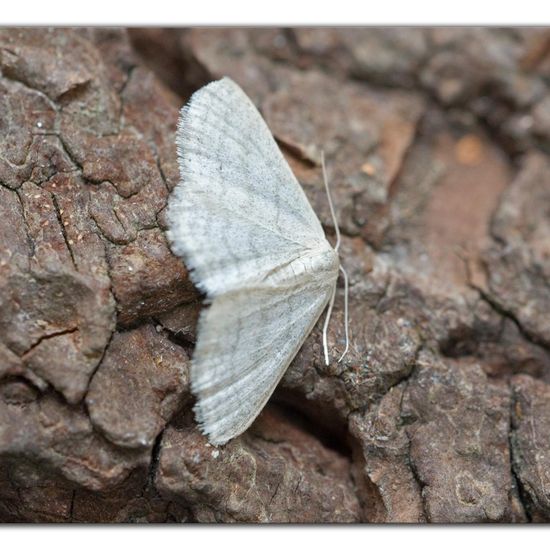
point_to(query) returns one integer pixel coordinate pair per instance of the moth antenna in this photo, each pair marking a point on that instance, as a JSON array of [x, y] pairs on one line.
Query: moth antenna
[[346, 284], [346, 323], [331, 206], [325, 326]]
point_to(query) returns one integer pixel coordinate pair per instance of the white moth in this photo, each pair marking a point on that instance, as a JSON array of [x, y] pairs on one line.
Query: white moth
[[244, 227]]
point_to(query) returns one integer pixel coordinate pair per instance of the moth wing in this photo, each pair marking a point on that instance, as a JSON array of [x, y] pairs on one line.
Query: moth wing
[[243, 225], [247, 340], [239, 211]]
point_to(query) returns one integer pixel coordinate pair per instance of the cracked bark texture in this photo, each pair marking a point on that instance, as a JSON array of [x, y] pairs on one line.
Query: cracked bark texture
[[437, 144]]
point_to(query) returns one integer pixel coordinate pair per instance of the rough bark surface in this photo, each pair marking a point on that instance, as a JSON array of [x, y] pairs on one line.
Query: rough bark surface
[[437, 145]]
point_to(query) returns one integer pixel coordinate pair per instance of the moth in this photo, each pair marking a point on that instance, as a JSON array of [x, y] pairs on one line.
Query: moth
[[242, 224]]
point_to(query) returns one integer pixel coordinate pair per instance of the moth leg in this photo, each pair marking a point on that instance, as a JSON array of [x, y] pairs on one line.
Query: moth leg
[[325, 326]]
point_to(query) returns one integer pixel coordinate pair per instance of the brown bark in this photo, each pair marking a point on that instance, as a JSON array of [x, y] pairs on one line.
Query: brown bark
[[436, 143]]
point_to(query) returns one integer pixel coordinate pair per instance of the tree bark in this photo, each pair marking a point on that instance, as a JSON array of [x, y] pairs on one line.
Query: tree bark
[[436, 143]]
